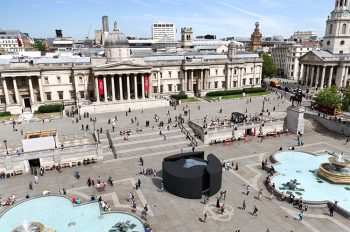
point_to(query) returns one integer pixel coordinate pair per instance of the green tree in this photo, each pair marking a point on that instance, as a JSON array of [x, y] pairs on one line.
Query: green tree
[[269, 68], [329, 96], [40, 46]]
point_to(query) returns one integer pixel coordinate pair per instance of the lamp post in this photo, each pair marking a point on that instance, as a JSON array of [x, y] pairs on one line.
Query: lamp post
[[5, 142], [54, 138], [189, 115], [77, 101], [263, 106]]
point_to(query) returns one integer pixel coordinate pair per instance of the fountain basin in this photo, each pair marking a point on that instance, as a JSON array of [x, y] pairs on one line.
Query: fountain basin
[[333, 176]]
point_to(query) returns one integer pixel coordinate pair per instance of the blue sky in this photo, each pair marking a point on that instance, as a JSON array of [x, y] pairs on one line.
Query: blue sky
[[221, 17]]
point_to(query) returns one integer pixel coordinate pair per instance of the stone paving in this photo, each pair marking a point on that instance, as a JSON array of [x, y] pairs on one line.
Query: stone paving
[[171, 213]]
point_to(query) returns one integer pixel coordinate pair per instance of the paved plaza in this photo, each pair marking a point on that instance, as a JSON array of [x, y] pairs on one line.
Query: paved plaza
[[166, 211]]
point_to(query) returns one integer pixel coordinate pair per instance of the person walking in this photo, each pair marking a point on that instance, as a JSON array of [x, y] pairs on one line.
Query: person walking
[[36, 179], [244, 206], [255, 211], [247, 190], [162, 187], [205, 216], [331, 210], [260, 194], [346, 141], [301, 216], [139, 183]]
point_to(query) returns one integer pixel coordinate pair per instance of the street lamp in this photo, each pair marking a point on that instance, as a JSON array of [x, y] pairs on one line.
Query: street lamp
[[5, 142], [263, 106], [189, 115]]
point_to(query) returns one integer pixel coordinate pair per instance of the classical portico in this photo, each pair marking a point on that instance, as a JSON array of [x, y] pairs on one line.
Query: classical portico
[[322, 69], [122, 81], [195, 79]]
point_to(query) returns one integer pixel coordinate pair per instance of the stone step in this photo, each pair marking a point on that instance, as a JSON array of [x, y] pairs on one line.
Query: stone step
[[147, 142], [116, 137]]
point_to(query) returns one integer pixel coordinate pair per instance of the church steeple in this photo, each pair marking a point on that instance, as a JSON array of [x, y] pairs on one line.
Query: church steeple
[[337, 36]]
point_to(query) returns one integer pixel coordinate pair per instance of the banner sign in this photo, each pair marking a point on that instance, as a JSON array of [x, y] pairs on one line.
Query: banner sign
[[146, 83], [100, 87]]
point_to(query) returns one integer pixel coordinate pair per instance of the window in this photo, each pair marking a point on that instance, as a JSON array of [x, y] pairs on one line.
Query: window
[[178, 74], [80, 80], [235, 84], [223, 83], [244, 81], [161, 75], [169, 74], [161, 89], [170, 87], [71, 79], [46, 80], [250, 81], [82, 94], [71, 94], [60, 95], [216, 84], [209, 85], [342, 42], [58, 80], [257, 81], [330, 31], [328, 43], [216, 72], [251, 70], [235, 71], [343, 29], [48, 96]]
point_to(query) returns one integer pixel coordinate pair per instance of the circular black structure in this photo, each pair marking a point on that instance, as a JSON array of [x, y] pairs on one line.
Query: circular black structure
[[188, 175]]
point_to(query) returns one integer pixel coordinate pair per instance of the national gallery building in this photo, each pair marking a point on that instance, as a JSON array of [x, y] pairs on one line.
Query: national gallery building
[[123, 77]]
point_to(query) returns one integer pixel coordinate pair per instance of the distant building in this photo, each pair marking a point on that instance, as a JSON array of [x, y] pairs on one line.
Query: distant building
[[303, 36], [11, 41], [286, 57], [186, 37], [255, 39], [161, 29]]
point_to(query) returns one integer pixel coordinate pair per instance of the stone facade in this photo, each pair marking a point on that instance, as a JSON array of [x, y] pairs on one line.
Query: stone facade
[[123, 77], [330, 66], [256, 38]]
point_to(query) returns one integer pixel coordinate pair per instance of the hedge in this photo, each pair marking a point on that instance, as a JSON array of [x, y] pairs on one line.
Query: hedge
[[179, 96], [49, 109], [235, 92], [4, 114]]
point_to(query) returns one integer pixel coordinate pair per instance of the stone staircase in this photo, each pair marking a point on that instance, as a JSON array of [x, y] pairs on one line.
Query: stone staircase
[[147, 142]]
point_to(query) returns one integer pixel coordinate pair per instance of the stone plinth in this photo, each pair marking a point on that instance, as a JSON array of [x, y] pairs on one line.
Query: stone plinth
[[295, 119]]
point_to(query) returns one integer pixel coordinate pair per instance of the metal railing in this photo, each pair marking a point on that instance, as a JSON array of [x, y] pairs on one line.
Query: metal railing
[[188, 135]]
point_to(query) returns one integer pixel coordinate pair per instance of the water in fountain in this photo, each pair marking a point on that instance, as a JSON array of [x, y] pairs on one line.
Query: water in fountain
[[339, 158], [26, 227]]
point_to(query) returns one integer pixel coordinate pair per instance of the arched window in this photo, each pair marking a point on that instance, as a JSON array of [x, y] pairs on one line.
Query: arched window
[[330, 29], [343, 29]]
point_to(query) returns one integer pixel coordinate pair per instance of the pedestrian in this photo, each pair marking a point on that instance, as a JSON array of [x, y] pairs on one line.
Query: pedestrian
[[346, 141], [217, 202], [237, 166], [205, 217], [64, 191], [260, 194], [139, 183], [162, 187], [36, 179], [193, 149], [247, 190], [243, 206], [301, 216], [255, 211], [272, 193], [331, 210]]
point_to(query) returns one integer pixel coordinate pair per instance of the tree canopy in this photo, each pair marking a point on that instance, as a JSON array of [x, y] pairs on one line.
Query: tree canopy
[[329, 96], [269, 67], [40, 46]]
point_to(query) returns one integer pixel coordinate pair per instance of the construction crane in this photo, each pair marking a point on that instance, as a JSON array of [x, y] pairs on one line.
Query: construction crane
[[87, 36]]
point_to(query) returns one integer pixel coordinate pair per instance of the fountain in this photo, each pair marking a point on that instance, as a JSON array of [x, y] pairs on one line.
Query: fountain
[[31, 227], [336, 171]]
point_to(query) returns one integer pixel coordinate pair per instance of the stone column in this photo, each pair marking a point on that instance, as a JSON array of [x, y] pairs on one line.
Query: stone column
[[31, 91], [143, 86], [201, 81], [312, 75], [113, 89], [6, 91], [205, 79], [158, 84], [41, 89], [121, 87], [317, 76], [306, 76], [105, 88], [128, 86], [97, 93], [16, 90], [191, 86], [342, 79], [150, 87], [323, 75], [301, 73], [135, 87], [346, 75], [185, 84], [330, 77]]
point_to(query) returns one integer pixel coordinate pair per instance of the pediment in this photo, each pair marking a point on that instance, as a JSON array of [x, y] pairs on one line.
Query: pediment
[[121, 66], [310, 56]]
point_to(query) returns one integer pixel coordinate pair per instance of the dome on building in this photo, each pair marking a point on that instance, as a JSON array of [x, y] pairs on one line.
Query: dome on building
[[116, 38]]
